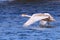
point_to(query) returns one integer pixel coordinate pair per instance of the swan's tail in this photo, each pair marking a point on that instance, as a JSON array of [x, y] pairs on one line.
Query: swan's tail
[[51, 17], [25, 15]]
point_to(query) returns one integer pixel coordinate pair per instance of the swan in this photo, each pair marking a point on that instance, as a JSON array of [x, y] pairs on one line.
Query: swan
[[44, 19]]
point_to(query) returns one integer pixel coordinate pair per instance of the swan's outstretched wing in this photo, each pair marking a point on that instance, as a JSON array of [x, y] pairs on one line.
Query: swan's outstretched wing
[[33, 19], [42, 22]]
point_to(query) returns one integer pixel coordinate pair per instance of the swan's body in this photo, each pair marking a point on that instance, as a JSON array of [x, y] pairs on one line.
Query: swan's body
[[43, 18]]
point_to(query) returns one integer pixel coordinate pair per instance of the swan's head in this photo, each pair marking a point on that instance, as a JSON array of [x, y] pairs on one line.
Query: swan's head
[[23, 15]]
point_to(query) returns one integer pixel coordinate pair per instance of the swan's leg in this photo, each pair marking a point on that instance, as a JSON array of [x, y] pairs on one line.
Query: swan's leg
[[48, 24], [43, 23]]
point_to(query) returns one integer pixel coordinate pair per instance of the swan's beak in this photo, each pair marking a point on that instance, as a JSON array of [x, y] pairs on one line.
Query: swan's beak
[[23, 15]]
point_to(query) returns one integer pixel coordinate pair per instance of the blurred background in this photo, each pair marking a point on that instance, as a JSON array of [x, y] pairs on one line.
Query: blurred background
[[11, 22], [1, 1]]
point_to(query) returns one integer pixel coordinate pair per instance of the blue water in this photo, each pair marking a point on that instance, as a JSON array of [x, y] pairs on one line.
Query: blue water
[[11, 22]]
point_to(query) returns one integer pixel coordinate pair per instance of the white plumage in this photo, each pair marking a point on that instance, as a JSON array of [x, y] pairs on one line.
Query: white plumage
[[43, 18]]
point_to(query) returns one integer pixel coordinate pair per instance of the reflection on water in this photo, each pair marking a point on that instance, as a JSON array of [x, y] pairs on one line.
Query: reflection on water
[[11, 22]]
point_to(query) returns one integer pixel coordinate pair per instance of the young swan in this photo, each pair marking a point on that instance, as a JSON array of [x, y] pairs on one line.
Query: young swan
[[43, 18]]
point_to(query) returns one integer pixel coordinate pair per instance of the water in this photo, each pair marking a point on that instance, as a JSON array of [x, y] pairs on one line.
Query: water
[[11, 22]]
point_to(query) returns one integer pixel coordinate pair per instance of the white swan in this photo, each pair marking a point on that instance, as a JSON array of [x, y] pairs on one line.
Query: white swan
[[43, 18]]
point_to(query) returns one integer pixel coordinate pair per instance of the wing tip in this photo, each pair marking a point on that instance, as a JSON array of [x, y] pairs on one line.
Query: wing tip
[[25, 25]]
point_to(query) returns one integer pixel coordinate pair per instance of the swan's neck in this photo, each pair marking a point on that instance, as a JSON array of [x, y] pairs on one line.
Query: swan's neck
[[24, 15], [27, 16]]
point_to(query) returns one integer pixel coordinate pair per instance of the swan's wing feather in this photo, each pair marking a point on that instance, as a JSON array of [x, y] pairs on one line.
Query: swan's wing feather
[[42, 22], [33, 19]]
